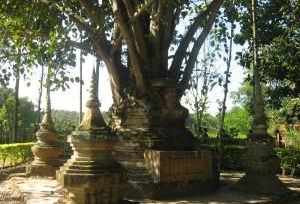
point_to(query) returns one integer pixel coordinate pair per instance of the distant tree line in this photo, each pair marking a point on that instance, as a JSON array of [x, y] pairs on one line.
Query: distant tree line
[[26, 120]]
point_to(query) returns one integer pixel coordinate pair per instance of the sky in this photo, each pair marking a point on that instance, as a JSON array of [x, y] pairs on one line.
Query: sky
[[69, 99]]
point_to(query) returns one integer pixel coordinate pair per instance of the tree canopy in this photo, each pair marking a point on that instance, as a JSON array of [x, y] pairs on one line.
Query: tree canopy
[[133, 38], [277, 42]]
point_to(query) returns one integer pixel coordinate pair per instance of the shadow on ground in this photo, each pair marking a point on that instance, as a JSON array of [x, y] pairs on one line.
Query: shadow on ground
[[34, 190]]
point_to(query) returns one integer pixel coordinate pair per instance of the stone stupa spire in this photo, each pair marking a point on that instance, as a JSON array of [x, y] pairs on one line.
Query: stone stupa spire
[[47, 121], [92, 119], [48, 151]]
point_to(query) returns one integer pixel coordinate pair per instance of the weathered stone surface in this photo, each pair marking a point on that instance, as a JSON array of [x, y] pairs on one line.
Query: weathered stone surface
[[157, 123], [261, 164], [48, 152], [130, 151], [178, 173], [162, 174], [179, 166], [92, 176]]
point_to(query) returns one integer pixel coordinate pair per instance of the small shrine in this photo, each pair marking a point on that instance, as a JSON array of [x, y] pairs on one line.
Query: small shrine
[[48, 151], [92, 175]]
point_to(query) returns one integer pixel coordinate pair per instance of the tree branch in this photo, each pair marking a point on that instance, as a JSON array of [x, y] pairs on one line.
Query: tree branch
[[160, 29], [184, 83], [174, 21], [174, 71], [95, 13], [82, 46], [137, 30], [135, 59], [96, 16]]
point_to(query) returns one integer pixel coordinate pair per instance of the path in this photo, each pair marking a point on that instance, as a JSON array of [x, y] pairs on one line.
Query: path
[[47, 191], [10, 194], [225, 195], [34, 190]]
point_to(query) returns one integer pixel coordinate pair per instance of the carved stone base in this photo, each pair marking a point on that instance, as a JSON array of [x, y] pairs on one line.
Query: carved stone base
[[91, 176], [41, 170], [93, 189], [46, 161], [261, 167]]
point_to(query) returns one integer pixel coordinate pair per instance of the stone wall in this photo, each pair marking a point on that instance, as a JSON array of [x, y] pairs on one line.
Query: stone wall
[[179, 166], [177, 173]]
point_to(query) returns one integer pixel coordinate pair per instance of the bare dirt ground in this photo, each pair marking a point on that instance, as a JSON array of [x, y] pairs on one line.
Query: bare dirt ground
[[35, 190]]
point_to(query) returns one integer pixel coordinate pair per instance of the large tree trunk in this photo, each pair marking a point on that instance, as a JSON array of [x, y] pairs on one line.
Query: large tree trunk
[[160, 113], [152, 122], [151, 100]]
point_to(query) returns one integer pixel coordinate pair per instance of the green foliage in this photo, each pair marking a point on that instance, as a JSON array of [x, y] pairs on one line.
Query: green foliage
[[237, 121], [289, 158], [281, 61], [243, 96], [278, 37], [208, 121], [293, 138], [28, 37], [290, 110], [12, 154], [65, 121], [27, 116]]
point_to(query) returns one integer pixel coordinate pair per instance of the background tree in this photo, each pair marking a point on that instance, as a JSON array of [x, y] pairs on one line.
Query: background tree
[[280, 64], [227, 38], [237, 120], [203, 80], [277, 28], [27, 117], [65, 121]]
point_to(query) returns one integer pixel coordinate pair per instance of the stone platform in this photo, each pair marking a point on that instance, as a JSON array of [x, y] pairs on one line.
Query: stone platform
[[182, 173]]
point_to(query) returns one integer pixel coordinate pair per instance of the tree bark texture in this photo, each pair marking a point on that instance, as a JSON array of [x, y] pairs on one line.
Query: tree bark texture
[[146, 84]]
